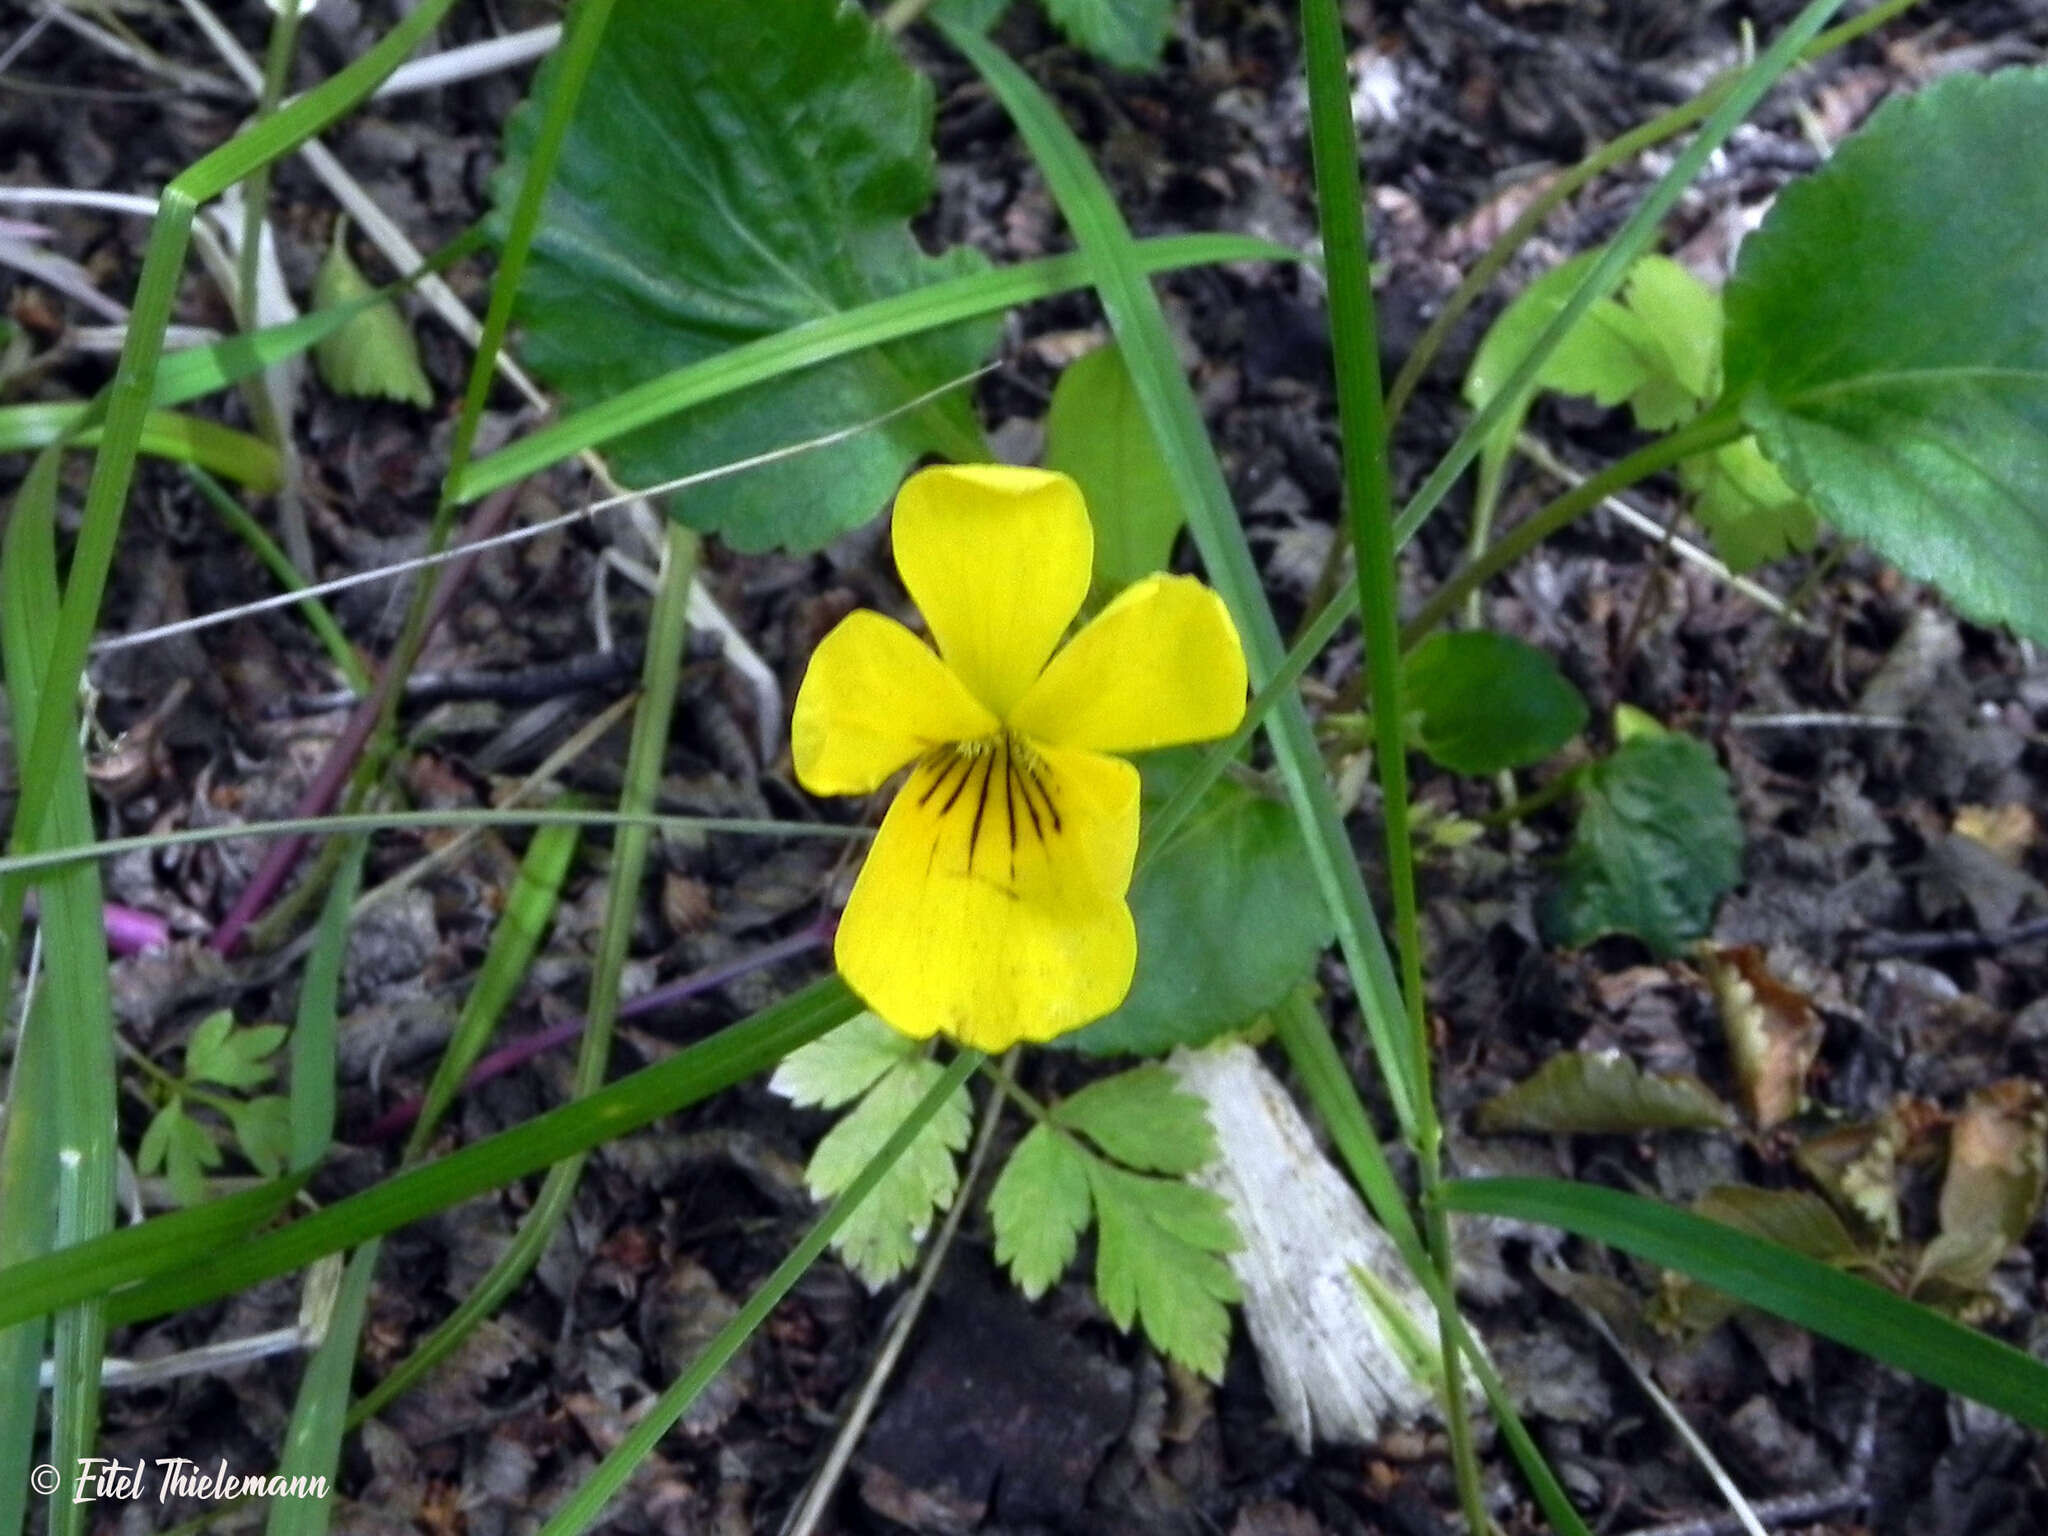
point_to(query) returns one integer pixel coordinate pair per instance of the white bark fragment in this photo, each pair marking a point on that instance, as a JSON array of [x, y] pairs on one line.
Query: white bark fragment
[[1330, 1367]]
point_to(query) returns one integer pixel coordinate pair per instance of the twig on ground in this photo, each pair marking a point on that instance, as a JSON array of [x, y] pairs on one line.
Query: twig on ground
[[524, 686], [1960, 941]]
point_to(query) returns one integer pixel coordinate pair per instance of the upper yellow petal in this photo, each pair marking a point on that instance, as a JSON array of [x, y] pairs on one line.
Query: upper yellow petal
[[875, 697], [991, 907], [998, 560], [1159, 666]]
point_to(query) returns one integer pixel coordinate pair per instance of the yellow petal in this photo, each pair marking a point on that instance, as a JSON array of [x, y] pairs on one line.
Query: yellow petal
[[1159, 666], [997, 558], [875, 697], [991, 907]]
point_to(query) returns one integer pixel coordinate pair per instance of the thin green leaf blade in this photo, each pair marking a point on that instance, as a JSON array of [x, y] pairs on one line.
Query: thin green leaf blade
[[1841, 1307]]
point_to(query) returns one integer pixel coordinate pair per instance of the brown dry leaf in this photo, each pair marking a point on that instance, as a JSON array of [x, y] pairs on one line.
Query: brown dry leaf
[[1602, 1092], [2007, 830], [1774, 1032], [1858, 1166], [1997, 1163]]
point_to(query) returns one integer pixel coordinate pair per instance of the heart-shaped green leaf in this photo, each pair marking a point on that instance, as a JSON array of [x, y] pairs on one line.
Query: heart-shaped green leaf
[[1489, 702], [1887, 341], [723, 180]]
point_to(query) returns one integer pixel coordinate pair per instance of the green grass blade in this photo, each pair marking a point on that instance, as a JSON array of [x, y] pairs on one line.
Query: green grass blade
[[165, 435], [588, 1502], [521, 926], [312, 1441], [188, 1264], [130, 395], [28, 1209], [312, 1046], [1842, 1307], [1176, 421], [885, 320]]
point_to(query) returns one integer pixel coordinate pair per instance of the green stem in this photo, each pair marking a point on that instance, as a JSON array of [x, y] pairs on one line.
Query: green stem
[[1537, 800], [902, 14], [1711, 431], [1354, 331]]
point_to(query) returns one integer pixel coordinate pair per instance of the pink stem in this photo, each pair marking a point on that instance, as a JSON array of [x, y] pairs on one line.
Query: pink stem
[[341, 758], [399, 1118]]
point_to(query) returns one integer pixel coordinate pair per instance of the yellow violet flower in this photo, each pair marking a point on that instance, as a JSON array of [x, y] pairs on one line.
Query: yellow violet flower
[[991, 907]]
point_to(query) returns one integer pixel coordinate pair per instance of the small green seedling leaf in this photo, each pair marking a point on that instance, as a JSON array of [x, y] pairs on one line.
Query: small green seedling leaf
[[1740, 498], [1143, 1119], [1158, 1261], [1125, 33], [1223, 931], [1096, 431], [182, 1149], [725, 180], [1883, 340], [1683, 317], [1488, 702], [1657, 844], [221, 1053], [1603, 1093], [840, 1066], [373, 354], [881, 1239], [263, 1130], [1039, 1208]]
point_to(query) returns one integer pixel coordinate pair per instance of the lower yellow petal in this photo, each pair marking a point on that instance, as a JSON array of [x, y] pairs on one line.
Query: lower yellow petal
[[875, 697], [1161, 665], [991, 907]]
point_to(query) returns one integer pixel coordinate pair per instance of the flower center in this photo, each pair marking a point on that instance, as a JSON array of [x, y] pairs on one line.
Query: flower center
[[998, 787]]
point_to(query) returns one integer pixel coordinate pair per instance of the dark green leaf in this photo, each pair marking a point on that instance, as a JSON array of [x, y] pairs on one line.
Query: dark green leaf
[[1126, 33], [1884, 340], [1096, 432], [1603, 1092], [1228, 920], [1143, 1119], [724, 180], [1657, 845], [1841, 1307], [1489, 702]]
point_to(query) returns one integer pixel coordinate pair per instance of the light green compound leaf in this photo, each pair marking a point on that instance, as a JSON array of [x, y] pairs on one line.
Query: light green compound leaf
[[1885, 341], [727, 178], [263, 1130], [179, 1146], [1143, 1119], [1125, 33], [1157, 1262], [1227, 924], [839, 1067], [1096, 431], [1742, 500], [1489, 702], [881, 1238], [1602, 1093], [220, 1053], [1039, 1208], [1656, 846], [373, 354]]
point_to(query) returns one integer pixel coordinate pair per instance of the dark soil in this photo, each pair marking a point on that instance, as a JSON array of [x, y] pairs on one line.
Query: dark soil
[[1070, 1426]]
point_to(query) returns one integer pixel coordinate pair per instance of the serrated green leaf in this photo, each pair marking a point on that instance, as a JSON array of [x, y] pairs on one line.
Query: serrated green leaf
[[263, 1130], [1743, 502], [1156, 1262], [1683, 316], [1603, 1093], [724, 179], [1224, 927], [182, 1148], [1657, 844], [1489, 701], [1143, 1119], [880, 1240], [1883, 340], [1125, 33], [208, 1037], [1096, 431], [839, 1067], [1039, 1208], [374, 353]]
